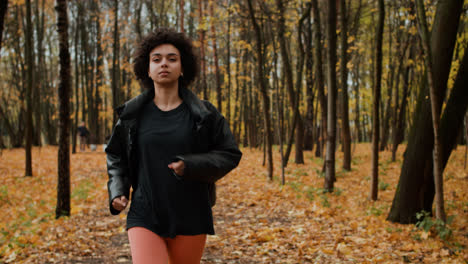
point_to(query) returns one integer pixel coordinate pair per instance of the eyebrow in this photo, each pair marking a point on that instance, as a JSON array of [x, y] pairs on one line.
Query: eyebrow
[[159, 54]]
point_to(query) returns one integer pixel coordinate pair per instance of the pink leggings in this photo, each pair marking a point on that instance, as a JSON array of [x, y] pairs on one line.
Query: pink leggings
[[149, 248]]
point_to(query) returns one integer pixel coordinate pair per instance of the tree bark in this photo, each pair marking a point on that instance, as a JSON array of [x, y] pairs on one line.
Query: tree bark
[[310, 94], [219, 96], [29, 88], [319, 76], [376, 102], [201, 33], [415, 190], [116, 94], [63, 187], [331, 122], [182, 12], [346, 134]]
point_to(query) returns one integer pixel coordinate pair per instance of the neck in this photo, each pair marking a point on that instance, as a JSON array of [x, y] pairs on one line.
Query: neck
[[167, 97]]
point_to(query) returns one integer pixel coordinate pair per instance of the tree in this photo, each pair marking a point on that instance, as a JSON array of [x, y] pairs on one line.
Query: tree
[[182, 12], [331, 118], [116, 94], [435, 111], [293, 96], [215, 58], [319, 76], [263, 88], [415, 190], [29, 88], [201, 33], [63, 187], [376, 101], [346, 134]]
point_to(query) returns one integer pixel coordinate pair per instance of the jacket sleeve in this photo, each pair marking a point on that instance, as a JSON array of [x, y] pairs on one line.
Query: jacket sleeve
[[117, 166], [223, 156]]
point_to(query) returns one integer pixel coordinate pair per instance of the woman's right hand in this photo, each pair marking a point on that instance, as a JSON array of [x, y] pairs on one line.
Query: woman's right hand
[[120, 203]]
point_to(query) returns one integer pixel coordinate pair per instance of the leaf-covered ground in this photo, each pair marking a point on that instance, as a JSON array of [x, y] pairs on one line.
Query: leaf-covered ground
[[256, 221]]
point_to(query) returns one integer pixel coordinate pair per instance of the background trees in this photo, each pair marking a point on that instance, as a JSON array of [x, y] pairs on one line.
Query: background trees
[[262, 63]]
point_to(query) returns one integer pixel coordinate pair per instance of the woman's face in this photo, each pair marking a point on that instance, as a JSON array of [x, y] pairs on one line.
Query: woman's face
[[165, 65]]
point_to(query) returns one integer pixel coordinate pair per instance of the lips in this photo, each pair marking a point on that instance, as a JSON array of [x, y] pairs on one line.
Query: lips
[[163, 72]]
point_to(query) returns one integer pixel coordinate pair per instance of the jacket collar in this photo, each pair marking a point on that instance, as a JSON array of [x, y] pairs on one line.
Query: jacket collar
[[131, 108]]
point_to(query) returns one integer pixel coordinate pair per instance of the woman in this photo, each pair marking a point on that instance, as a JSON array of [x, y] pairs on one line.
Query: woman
[[171, 148]]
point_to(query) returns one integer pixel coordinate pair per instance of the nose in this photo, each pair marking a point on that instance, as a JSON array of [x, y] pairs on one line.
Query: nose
[[164, 62]]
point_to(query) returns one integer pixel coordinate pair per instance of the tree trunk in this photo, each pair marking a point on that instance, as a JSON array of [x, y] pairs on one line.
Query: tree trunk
[[331, 122], [29, 87], [299, 157], [346, 134], [63, 187], [3, 11], [435, 111], [116, 98], [357, 117], [415, 190], [181, 10], [319, 76], [263, 89], [99, 79], [310, 94], [201, 33], [39, 75], [77, 82], [228, 65], [376, 101], [293, 96], [219, 96]]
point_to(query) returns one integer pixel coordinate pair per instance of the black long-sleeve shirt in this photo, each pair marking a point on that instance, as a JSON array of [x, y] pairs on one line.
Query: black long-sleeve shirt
[[163, 203]]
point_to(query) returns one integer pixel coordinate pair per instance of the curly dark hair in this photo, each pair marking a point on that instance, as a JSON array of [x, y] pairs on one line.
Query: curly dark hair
[[189, 59]]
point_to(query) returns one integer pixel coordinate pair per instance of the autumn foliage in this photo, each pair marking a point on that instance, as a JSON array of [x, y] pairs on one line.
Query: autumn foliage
[[256, 220]]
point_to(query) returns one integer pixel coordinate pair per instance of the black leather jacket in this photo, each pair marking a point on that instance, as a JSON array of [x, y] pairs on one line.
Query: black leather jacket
[[215, 150]]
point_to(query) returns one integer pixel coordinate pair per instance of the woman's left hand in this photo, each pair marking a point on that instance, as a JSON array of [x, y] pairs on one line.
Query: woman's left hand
[[178, 167]]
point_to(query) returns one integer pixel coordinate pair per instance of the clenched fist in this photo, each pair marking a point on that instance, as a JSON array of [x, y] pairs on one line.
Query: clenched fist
[[120, 203]]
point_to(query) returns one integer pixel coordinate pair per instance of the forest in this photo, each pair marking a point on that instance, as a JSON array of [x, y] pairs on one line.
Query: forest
[[365, 99]]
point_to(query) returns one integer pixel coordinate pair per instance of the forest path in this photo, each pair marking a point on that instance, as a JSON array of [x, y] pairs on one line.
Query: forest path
[[256, 220]]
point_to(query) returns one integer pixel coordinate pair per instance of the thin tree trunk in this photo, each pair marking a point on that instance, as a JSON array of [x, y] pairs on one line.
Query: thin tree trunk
[[77, 81], [63, 187], [331, 122], [228, 64], [293, 96], [38, 75], [319, 76], [263, 89], [202, 53], [346, 134], [376, 101], [29, 88], [310, 94], [357, 117], [182, 12], [219, 96], [115, 64], [3, 11]]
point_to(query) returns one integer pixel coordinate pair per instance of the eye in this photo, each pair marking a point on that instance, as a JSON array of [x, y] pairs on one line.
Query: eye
[[156, 59], [173, 59]]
